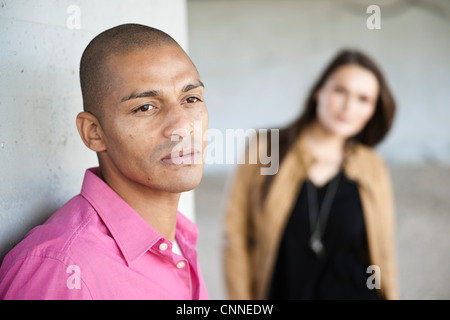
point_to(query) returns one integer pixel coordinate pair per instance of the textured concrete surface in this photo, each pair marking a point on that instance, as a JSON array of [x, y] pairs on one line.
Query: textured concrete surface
[[42, 158], [422, 195]]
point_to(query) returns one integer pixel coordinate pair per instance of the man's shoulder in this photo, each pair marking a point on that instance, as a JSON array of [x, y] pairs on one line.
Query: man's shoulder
[[48, 251], [57, 236]]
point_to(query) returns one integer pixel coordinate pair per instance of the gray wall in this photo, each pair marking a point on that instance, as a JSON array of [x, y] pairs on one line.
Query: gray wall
[[258, 58], [42, 158]]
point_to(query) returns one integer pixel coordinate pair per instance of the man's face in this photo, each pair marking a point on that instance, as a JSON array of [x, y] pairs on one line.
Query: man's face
[[154, 120]]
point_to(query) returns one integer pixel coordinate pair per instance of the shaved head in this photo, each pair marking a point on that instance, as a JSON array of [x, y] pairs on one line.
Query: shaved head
[[95, 78]]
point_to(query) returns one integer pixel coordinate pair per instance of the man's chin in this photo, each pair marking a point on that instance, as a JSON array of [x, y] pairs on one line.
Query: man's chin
[[183, 184]]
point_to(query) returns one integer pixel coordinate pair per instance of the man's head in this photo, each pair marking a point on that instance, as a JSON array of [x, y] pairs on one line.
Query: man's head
[[142, 100], [95, 75]]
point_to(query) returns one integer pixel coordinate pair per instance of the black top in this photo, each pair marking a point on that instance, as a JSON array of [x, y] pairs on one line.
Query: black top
[[342, 272]]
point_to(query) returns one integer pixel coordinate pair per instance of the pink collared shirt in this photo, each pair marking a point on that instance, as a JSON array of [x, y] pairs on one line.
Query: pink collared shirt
[[97, 247]]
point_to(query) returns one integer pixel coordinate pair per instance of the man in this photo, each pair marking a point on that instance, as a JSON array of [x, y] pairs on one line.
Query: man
[[122, 237]]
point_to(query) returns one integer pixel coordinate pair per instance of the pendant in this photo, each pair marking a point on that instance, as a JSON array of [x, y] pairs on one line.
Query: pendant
[[317, 247]]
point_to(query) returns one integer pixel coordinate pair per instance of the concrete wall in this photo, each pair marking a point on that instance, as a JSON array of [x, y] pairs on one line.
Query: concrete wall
[[42, 158], [258, 58]]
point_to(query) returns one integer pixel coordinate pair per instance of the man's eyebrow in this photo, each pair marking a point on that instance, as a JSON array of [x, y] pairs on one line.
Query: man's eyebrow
[[156, 93], [193, 86], [144, 94]]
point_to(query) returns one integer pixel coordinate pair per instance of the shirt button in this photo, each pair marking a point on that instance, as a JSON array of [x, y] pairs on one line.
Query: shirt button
[[180, 265], [163, 246]]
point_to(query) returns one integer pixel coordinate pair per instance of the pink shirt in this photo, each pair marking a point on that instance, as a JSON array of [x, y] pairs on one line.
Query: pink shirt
[[97, 247]]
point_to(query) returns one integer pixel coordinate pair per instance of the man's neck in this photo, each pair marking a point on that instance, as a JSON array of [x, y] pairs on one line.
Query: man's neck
[[158, 208]]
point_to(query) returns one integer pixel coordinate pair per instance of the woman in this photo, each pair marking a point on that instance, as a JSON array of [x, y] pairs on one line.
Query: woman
[[322, 227]]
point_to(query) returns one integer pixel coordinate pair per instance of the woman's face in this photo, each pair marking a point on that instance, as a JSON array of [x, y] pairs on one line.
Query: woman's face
[[347, 100]]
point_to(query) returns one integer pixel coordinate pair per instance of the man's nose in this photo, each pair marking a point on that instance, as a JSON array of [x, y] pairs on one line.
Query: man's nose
[[178, 124]]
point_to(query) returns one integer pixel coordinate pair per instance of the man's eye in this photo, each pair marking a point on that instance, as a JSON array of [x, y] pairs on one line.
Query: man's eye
[[144, 108], [192, 100]]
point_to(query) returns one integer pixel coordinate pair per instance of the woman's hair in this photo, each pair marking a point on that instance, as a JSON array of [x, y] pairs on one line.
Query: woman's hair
[[376, 128]]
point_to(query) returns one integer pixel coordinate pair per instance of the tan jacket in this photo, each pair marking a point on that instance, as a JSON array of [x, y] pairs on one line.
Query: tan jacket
[[253, 228]]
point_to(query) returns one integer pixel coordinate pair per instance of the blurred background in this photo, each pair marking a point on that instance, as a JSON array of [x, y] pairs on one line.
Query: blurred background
[[258, 59]]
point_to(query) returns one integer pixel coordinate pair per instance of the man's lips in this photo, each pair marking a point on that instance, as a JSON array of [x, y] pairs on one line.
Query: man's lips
[[183, 157]]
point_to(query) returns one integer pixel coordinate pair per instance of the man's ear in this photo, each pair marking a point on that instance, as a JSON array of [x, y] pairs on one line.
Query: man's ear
[[90, 131]]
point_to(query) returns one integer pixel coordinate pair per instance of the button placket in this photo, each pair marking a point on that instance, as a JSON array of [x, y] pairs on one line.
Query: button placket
[[184, 271]]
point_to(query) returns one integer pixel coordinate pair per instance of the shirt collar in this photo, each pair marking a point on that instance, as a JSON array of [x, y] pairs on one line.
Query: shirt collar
[[133, 235]]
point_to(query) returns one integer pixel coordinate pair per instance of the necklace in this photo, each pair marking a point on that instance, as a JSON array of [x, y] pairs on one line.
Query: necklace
[[318, 217]]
